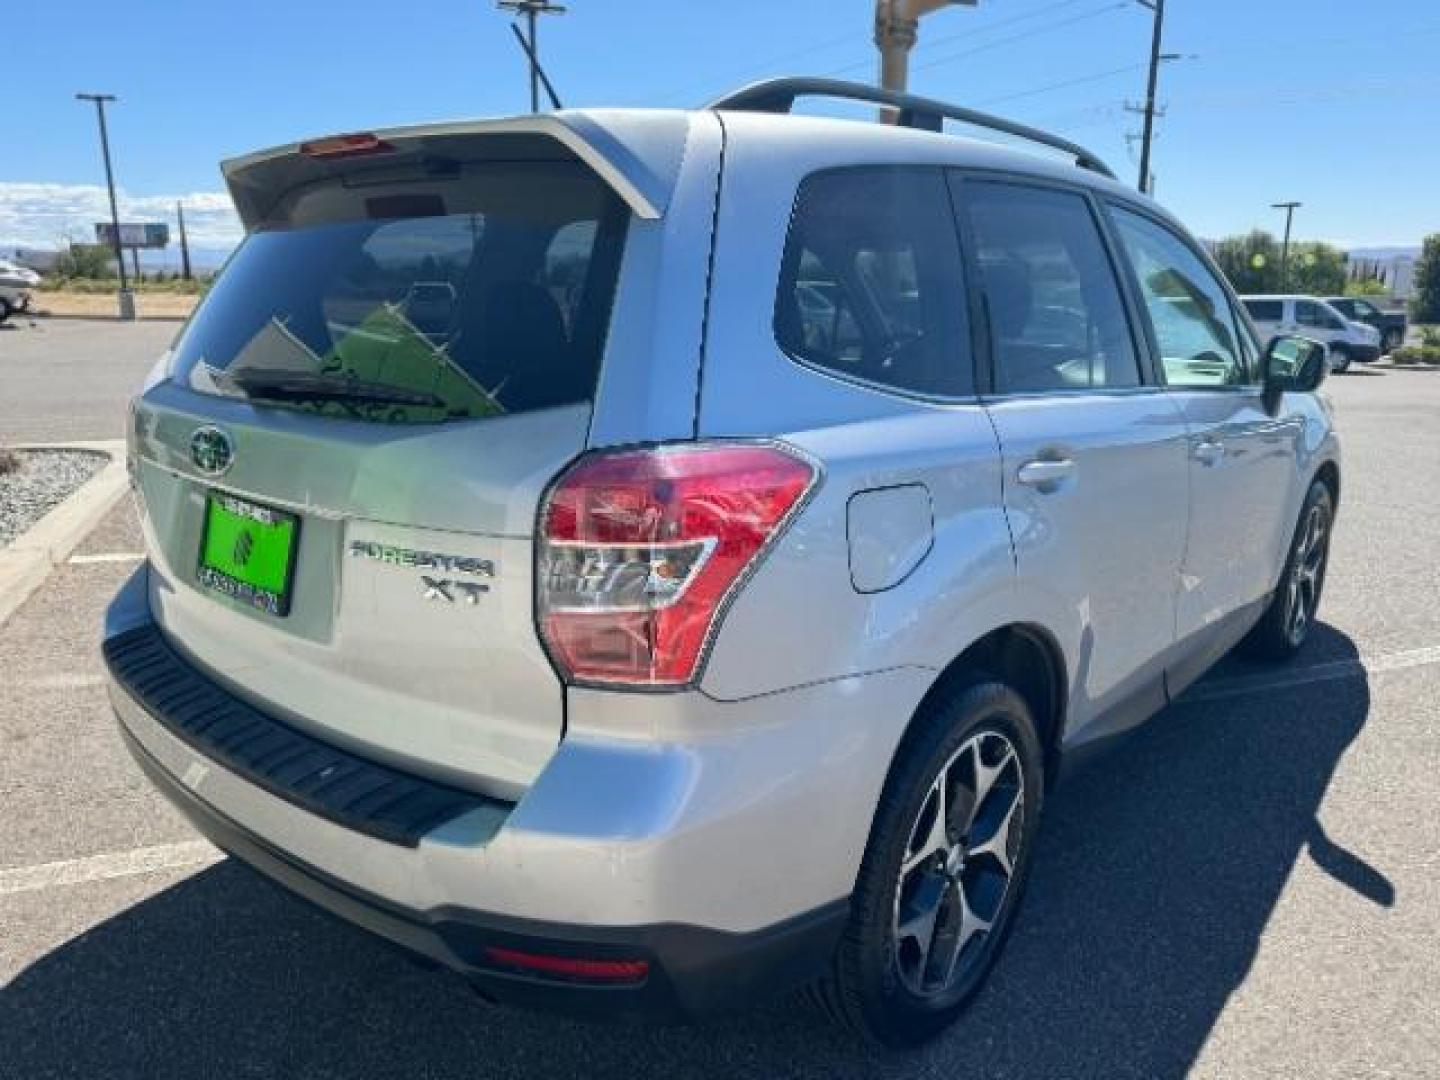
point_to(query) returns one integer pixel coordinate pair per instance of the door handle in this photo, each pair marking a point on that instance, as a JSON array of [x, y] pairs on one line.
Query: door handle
[[1045, 473], [1209, 452]]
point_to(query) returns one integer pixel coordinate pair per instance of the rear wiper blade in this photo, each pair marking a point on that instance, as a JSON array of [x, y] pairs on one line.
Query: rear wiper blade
[[304, 386]]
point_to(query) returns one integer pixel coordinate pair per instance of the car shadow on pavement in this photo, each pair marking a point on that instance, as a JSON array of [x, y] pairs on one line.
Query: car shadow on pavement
[[1158, 870]]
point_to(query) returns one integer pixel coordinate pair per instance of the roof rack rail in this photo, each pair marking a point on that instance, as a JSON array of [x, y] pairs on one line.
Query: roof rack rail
[[927, 114]]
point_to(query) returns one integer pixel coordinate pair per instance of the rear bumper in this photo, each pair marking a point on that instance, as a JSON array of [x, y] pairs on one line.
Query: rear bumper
[[692, 970], [723, 859], [1363, 354]]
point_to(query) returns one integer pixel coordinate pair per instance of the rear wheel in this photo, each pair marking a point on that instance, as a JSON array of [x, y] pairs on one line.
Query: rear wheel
[[1286, 624], [944, 869], [1393, 340], [1339, 359], [5, 309]]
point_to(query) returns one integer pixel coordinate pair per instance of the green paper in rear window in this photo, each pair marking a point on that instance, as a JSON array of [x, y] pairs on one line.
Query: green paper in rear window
[[420, 302]]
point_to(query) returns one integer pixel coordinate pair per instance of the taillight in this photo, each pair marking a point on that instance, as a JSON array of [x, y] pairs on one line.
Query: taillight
[[640, 549]]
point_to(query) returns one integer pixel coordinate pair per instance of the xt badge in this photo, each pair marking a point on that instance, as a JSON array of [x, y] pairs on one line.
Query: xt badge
[[447, 590]]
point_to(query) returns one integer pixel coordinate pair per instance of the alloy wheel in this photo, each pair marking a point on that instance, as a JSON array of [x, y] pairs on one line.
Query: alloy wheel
[[959, 861], [1307, 573]]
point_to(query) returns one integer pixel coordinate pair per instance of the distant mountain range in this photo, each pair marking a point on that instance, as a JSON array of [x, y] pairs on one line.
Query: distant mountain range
[[1384, 252]]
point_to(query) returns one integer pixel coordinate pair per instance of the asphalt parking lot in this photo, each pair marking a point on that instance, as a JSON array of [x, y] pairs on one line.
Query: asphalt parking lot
[[1249, 886]]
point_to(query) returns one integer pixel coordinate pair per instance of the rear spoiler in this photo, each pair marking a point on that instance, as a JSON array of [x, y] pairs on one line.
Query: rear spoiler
[[637, 156]]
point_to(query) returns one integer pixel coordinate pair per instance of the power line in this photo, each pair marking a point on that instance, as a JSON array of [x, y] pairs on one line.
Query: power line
[[980, 31], [1065, 84], [764, 66], [1050, 28]]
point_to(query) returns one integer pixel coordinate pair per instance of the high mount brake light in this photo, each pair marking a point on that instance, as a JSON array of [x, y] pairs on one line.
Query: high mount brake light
[[640, 549], [338, 146]]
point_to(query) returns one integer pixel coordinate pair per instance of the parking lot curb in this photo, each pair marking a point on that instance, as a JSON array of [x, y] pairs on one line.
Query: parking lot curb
[[27, 562]]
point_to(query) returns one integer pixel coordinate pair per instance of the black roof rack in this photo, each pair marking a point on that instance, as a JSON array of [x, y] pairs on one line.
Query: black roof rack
[[927, 114]]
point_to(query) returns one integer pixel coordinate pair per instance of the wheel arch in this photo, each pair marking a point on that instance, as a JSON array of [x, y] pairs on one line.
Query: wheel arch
[[1329, 474], [1024, 656]]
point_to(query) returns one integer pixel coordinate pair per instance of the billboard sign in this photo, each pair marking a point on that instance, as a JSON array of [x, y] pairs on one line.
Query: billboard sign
[[134, 234]]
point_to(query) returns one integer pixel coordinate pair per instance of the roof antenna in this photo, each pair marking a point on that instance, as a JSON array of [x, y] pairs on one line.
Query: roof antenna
[[536, 68]]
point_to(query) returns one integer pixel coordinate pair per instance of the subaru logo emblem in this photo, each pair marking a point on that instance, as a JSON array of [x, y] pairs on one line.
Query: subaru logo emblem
[[211, 450]]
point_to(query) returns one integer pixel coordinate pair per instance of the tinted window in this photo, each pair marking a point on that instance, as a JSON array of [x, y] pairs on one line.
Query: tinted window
[[1189, 311], [1348, 308], [871, 285], [1265, 310], [490, 295], [1309, 313], [1056, 318]]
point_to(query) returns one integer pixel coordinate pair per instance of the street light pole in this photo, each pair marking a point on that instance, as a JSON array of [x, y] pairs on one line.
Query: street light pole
[[126, 298], [1289, 208], [1158, 7], [897, 28], [531, 9], [184, 242]]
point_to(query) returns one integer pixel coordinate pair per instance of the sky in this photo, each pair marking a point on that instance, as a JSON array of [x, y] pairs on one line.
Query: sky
[[1330, 102]]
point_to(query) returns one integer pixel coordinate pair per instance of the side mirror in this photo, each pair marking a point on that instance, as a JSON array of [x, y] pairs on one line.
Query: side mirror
[[1293, 365]]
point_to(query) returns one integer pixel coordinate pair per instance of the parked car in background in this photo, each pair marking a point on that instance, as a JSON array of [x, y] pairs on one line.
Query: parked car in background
[[1392, 325], [1349, 342], [724, 632], [16, 283]]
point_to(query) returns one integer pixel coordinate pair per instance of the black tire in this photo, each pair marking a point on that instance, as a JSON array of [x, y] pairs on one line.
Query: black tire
[[5, 309], [869, 988], [1278, 636], [1393, 340], [1339, 359]]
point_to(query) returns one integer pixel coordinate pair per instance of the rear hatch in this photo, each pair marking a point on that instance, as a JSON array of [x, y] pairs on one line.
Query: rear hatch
[[342, 471]]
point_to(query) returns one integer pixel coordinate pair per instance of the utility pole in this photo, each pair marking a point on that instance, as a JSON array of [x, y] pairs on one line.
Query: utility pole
[[897, 28], [531, 9], [1158, 7], [126, 298], [184, 245], [1289, 208]]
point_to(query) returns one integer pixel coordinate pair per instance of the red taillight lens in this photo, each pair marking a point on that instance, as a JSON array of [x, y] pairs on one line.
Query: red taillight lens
[[337, 146], [639, 550]]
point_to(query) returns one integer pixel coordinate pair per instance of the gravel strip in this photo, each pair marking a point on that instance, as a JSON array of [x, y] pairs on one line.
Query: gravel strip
[[44, 480]]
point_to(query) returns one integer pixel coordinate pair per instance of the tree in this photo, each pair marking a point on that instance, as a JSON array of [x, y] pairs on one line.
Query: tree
[[1251, 262], [1366, 287], [1316, 270], [1425, 305], [85, 261]]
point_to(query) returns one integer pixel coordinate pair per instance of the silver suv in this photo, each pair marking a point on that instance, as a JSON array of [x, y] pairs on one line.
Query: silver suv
[[645, 559]]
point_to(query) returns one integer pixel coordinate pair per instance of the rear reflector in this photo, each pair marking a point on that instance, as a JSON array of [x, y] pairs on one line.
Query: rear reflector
[[641, 549], [570, 967], [338, 146]]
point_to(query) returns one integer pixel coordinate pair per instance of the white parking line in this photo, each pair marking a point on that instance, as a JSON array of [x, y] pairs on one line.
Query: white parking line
[[105, 557], [146, 860], [60, 682], [197, 853], [1313, 673]]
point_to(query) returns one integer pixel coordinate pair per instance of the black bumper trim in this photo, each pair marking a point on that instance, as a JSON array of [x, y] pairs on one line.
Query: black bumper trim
[[693, 970], [362, 795]]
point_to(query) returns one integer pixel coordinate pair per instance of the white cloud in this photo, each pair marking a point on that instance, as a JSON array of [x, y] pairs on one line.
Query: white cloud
[[41, 215]]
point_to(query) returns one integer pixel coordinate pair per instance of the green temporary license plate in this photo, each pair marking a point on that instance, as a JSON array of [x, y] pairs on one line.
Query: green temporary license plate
[[247, 552]]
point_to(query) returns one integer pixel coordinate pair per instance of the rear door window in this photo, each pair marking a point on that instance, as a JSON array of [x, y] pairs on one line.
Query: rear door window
[[1057, 320], [487, 295], [871, 285]]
